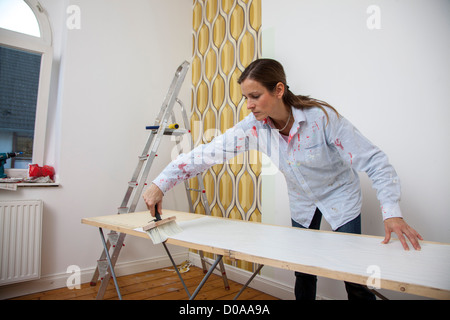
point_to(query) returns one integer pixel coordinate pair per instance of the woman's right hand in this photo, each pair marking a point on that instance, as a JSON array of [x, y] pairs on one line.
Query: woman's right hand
[[153, 197]]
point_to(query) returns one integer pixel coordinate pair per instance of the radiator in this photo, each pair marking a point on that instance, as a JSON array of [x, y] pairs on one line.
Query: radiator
[[20, 240]]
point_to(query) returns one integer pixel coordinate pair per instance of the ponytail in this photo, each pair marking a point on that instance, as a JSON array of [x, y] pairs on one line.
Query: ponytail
[[306, 102]]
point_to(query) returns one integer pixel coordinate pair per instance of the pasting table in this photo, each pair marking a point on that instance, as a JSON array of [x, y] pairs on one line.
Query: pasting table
[[355, 258]]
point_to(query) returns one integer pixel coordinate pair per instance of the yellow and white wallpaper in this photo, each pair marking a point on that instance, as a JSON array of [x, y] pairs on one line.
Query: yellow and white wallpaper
[[226, 38]]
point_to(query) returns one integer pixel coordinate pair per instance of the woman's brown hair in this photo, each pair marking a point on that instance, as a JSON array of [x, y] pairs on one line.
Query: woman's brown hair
[[269, 73]]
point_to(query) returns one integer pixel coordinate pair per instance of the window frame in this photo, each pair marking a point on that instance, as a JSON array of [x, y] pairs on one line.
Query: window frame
[[43, 46]]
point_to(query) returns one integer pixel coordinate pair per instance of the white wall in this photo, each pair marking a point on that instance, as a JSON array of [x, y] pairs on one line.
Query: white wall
[[392, 83], [109, 81]]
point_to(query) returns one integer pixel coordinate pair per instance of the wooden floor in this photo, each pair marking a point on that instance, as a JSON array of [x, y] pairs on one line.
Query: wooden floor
[[157, 284]]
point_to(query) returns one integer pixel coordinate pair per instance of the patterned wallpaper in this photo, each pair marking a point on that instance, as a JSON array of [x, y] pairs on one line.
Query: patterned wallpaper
[[226, 38]]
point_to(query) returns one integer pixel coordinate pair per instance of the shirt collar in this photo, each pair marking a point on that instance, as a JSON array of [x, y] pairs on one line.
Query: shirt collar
[[299, 115]]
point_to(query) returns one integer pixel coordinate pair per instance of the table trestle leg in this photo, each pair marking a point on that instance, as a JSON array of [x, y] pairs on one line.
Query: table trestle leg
[[249, 280], [211, 269], [111, 266], [176, 269]]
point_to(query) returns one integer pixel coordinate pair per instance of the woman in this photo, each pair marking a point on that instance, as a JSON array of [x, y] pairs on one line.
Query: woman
[[318, 151]]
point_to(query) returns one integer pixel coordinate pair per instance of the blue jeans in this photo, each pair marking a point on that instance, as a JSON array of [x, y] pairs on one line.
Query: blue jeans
[[306, 284]]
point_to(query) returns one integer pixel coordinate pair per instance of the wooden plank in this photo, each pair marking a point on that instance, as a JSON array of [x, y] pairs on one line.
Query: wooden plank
[[128, 222]]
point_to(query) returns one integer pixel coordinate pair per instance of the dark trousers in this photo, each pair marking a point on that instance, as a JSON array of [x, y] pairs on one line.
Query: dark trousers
[[306, 284]]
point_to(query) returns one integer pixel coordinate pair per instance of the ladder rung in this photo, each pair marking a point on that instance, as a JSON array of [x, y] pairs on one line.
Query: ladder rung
[[102, 268], [113, 237], [172, 132], [198, 190], [144, 157], [134, 184], [122, 210]]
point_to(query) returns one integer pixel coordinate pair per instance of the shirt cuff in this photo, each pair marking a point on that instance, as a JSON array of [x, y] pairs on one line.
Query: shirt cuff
[[163, 183], [391, 211]]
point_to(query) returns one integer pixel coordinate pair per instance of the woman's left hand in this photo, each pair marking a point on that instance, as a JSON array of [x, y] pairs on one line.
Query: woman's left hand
[[401, 228]]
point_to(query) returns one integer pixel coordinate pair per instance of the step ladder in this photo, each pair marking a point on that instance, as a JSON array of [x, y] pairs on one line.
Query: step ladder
[[137, 183]]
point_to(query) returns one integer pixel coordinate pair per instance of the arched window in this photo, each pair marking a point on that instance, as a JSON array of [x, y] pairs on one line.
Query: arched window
[[25, 67]]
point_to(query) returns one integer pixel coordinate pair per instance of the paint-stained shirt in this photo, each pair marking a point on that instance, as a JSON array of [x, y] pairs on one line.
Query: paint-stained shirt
[[320, 160]]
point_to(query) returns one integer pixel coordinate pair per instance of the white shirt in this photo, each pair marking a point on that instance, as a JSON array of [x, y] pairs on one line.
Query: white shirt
[[319, 160]]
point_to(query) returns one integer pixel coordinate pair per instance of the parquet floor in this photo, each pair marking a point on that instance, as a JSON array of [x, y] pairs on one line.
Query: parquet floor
[[157, 284]]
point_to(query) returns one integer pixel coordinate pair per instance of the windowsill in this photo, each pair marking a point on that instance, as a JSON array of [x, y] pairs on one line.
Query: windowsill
[[22, 174], [14, 186]]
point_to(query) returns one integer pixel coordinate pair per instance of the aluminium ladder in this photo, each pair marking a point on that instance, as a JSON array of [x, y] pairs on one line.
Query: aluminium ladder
[[138, 182]]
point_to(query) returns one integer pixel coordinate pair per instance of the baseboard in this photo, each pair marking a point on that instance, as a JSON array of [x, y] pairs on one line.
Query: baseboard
[[57, 281], [261, 283]]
